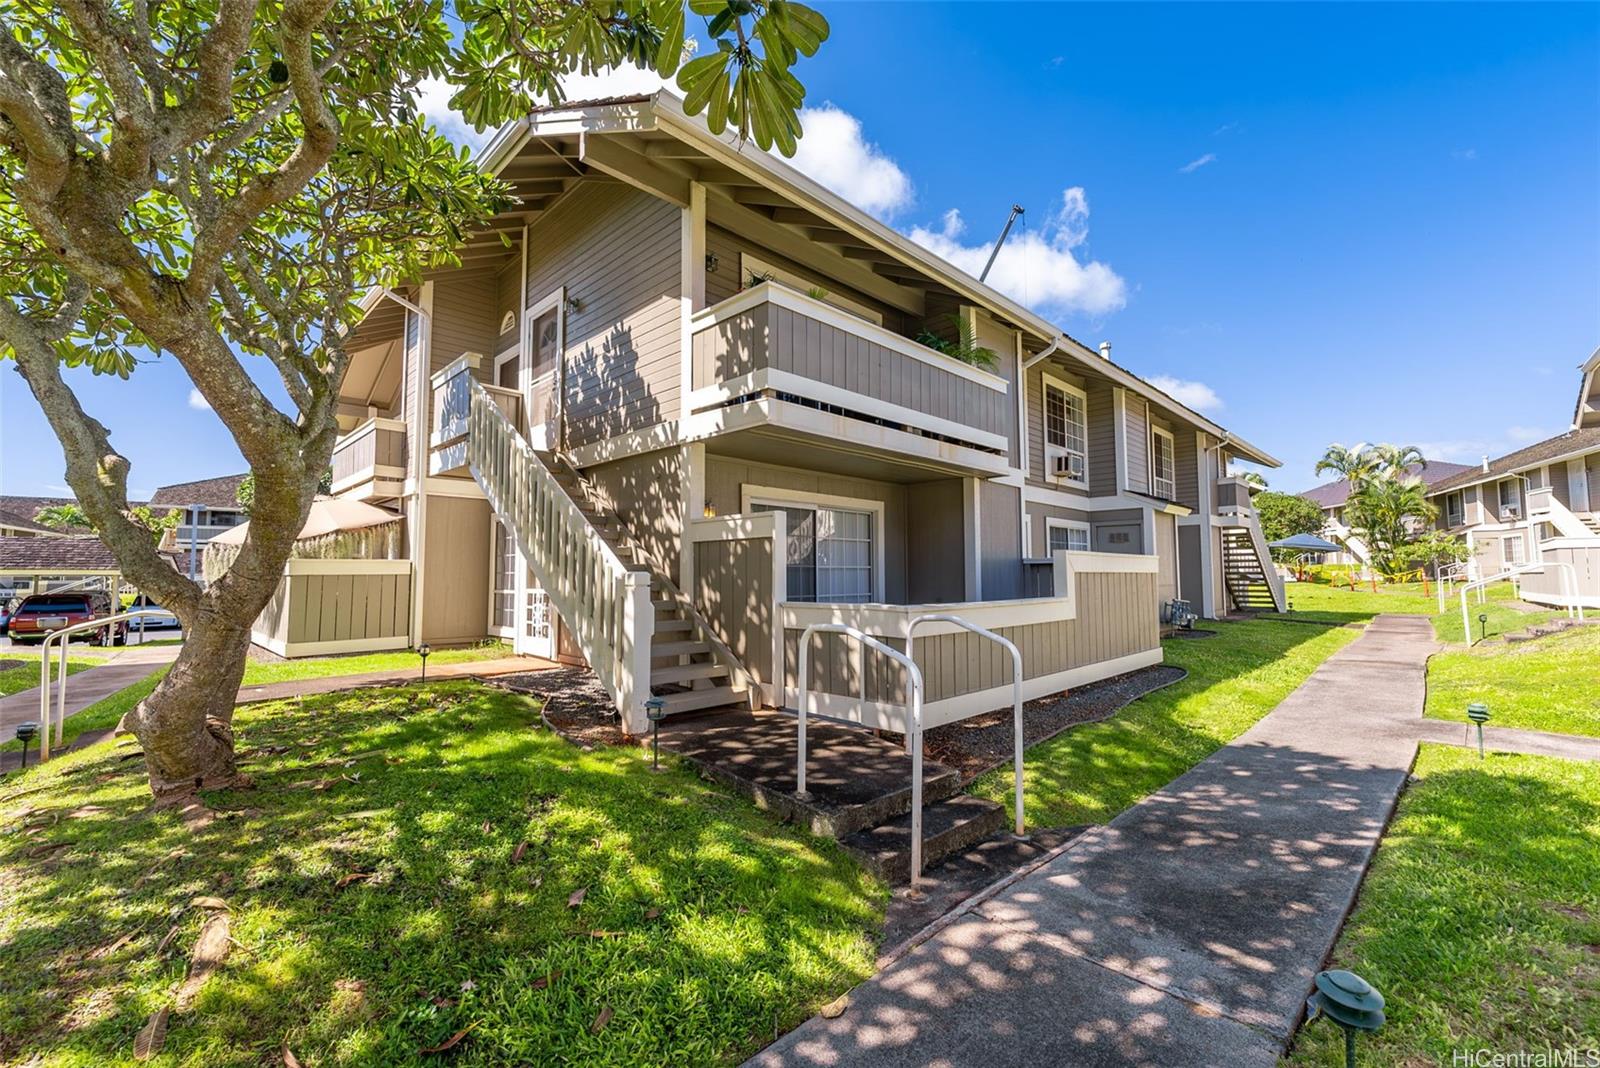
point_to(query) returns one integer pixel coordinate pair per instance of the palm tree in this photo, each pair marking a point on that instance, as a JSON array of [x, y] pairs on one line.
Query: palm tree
[[1396, 460], [1355, 463], [1382, 510]]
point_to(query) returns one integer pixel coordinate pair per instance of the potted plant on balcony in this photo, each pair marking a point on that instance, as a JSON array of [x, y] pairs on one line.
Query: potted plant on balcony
[[965, 347]]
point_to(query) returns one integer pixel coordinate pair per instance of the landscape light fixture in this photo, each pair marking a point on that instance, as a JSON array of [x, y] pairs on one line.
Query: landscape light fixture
[[1349, 1001], [1478, 712], [25, 733], [655, 710], [1483, 625], [423, 650]]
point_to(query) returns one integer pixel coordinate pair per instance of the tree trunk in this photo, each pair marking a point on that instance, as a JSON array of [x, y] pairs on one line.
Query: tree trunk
[[186, 724]]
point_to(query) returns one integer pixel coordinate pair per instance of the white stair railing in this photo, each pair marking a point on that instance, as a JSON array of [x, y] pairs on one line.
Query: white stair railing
[[1543, 506], [1569, 583], [605, 605]]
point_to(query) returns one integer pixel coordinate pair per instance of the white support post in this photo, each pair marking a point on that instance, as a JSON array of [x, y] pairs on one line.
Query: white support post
[[638, 624]]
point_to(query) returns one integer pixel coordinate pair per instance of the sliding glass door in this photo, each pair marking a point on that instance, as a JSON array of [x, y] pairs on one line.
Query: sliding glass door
[[831, 552]]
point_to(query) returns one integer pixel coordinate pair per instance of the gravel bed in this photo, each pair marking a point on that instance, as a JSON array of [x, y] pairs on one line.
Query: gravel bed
[[575, 704], [984, 742]]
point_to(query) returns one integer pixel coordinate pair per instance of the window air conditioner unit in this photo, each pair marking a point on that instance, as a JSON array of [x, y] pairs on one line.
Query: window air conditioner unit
[[1069, 466]]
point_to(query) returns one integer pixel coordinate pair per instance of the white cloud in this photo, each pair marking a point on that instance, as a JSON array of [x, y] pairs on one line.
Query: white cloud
[[197, 402], [834, 153], [1196, 395], [1473, 450], [433, 100], [1527, 435], [1195, 164], [1039, 267]]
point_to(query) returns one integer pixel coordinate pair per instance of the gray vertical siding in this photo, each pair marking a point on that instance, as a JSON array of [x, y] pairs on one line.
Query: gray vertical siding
[[1192, 577], [617, 251], [1116, 618], [1000, 540], [647, 491], [1592, 473], [936, 555], [1137, 427], [733, 591]]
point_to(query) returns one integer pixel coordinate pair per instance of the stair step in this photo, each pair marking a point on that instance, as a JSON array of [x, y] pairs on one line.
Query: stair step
[[685, 648], [685, 673], [948, 826], [692, 700], [673, 626]]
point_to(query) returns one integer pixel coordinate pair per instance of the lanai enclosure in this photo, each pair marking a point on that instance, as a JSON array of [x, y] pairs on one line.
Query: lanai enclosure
[[669, 412]]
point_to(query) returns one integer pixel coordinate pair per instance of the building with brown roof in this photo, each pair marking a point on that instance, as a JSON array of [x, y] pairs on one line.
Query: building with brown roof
[[210, 506]]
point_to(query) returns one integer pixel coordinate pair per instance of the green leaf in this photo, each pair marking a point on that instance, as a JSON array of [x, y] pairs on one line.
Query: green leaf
[[670, 54]]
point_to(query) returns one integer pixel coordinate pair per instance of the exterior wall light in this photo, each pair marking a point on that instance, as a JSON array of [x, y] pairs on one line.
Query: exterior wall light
[[711, 263], [1478, 712], [25, 733], [1349, 1001], [423, 650], [574, 305]]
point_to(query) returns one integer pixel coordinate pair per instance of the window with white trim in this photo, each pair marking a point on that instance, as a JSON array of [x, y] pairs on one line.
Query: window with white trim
[[1163, 464], [1454, 510], [1066, 432], [1510, 498], [1067, 534], [831, 552], [1511, 546]]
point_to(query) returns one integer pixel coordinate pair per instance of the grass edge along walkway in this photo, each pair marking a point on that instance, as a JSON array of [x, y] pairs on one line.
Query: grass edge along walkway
[[1089, 773], [1550, 684], [413, 864], [1479, 919]]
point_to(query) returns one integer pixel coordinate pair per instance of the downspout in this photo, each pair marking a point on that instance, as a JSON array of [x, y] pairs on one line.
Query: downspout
[[419, 457]]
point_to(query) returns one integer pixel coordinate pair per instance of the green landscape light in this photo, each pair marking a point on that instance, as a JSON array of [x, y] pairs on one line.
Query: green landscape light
[[1349, 1001], [25, 733], [1483, 625], [655, 709], [423, 650], [1478, 712]]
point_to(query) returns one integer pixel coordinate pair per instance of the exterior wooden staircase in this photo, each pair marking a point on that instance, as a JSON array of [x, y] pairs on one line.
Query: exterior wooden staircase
[[1246, 573]]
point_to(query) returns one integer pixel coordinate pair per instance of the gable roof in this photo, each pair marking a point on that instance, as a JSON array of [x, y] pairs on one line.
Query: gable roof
[[661, 114], [17, 521], [220, 492], [1558, 447], [1333, 494], [58, 555]]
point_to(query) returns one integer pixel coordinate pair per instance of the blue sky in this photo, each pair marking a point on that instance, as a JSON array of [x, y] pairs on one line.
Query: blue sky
[[1328, 222]]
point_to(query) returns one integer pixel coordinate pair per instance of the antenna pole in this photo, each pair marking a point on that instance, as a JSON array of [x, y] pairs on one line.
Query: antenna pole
[[1016, 209]]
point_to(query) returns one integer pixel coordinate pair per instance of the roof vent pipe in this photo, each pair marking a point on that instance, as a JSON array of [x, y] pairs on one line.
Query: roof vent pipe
[[1486, 463], [1105, 350]]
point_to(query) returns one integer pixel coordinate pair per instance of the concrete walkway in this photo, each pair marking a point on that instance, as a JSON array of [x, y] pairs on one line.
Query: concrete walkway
[[1187, 930], [86, 687], [1510, 740], [479, 669]]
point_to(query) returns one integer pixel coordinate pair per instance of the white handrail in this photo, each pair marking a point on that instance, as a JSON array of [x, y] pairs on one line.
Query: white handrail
[[61, 679], [913, 725], [1016, 689], [1569, 582]]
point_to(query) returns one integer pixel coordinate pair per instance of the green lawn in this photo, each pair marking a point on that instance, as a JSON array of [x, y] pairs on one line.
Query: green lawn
[[1552, 684], [649, 919], [26, 676], [1328, 604], [258, 672], [1479, 920], [1088, 774]]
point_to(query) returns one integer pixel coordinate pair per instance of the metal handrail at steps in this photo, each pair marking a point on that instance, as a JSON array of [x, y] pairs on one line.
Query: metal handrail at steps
[[915, 692], [604, 603], [65, 634], [1569, 582]]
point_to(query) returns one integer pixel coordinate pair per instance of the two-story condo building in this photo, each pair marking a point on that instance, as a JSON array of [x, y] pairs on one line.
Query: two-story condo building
[[670, 410]]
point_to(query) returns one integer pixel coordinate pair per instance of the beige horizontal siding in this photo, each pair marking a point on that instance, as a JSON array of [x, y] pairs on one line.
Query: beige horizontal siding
[[733, 591]]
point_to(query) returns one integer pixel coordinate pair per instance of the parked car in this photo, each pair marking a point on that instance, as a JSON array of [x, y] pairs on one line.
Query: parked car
[[143, 603], [6, 608], [41, 615]]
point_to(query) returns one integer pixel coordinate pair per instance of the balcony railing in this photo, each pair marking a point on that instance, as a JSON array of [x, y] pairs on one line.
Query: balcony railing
[[370, 461], [772, 343], [1233, 494]]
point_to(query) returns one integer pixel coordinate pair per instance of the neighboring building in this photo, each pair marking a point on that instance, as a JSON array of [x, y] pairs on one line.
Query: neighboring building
[[16, 524], [1332, 498], [678, 415], [1539, 503], [219, 509], [41, 564]]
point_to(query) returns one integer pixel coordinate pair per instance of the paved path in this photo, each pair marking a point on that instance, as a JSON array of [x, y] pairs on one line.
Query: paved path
[[1510, 740], [1187, 930], [86, 687], [482, 669]]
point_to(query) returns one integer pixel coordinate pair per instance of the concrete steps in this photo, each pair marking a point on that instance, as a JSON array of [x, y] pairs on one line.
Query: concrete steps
[[948, 826]]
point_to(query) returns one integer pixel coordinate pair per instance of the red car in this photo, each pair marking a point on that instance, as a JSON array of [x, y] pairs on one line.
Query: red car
[[43, 614]]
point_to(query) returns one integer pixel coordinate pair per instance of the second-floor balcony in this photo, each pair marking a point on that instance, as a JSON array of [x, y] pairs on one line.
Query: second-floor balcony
[[774, 360], [370, 462]]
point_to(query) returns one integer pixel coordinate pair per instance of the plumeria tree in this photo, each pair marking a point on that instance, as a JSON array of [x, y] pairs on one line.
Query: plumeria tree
[[219, 180]]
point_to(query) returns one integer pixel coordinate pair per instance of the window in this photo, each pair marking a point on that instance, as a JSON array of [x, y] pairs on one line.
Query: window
[[1068, 535], [1163, 464], [832, 552], [1511, 546], [1510, 498], [1454, 514], [1066, 432]]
